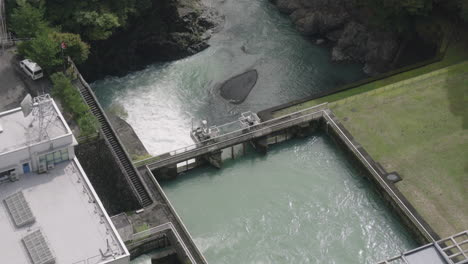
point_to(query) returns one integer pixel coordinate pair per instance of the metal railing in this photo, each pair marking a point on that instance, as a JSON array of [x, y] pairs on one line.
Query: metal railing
[[255, 129], [449, 249], [176, 216], [376, 174]]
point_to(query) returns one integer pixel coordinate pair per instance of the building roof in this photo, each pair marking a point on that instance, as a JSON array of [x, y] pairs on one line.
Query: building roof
[[19, 131], [73, 225]]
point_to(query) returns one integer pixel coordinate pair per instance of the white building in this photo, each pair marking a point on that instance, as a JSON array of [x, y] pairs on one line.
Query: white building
[[34, 142], [49, 211]]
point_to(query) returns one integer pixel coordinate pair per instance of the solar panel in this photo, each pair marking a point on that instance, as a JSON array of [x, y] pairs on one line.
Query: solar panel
[[19, 209], [37, 248]]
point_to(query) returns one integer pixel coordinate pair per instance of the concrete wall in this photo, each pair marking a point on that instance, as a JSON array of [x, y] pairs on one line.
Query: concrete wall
[[420, 230], [16, 159]]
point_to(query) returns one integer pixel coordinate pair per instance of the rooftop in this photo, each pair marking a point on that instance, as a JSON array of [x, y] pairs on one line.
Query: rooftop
[[19, 131], [71, 220]]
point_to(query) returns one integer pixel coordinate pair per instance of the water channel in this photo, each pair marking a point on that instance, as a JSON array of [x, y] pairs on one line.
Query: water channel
[[303, 202]]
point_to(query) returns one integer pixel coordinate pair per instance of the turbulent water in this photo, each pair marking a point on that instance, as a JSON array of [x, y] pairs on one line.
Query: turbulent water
[[302, 203], [163, 99]]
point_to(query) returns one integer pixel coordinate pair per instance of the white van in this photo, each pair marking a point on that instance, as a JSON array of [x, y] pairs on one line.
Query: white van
[[31, 69]]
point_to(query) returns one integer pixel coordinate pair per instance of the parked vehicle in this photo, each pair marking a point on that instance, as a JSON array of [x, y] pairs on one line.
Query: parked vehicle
[[32, 69]]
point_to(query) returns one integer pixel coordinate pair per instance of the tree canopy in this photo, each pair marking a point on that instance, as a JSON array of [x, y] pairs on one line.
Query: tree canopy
[[27, 21]]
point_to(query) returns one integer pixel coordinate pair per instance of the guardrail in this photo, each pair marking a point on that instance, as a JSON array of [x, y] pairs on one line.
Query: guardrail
[[377, 175], [163, 228], [176, 216], [210, 143]]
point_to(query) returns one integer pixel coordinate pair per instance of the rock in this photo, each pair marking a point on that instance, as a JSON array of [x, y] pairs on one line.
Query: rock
[[318, 22], [288, 6], [381, 50], [334, 35], [341, 23], [168, 30], [237, 88], [352, 44]]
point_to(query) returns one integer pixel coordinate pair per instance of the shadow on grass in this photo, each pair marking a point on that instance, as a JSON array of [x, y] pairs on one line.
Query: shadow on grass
[[457, 94]]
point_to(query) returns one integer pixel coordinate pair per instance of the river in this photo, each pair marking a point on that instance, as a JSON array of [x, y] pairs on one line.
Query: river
[[303, 202]]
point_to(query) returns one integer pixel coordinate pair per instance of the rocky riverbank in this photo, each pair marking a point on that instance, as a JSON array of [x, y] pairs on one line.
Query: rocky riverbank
[[342, 25], [168, 30]]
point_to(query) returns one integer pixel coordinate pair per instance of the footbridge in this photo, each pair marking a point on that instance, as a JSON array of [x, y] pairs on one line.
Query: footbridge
[[451, 250], [215, 149]]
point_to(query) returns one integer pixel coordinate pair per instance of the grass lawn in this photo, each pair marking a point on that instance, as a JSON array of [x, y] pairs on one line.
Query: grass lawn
[[419, 127], [457, 52]]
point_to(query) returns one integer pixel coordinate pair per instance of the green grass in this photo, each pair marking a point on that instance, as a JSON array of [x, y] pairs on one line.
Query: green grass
[[419, 128], [456, 52], [145, 160], [141, 228]]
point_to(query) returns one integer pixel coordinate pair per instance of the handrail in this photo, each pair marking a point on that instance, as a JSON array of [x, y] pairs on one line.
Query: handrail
[[174, 213], [254, 129], [106, 140], [194, 148], [379, 178]]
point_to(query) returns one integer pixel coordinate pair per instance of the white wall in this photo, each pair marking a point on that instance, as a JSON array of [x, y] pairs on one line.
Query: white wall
[[15, 159]]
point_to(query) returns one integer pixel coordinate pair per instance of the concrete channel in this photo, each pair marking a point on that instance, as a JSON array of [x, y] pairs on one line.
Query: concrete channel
[[171, 232]]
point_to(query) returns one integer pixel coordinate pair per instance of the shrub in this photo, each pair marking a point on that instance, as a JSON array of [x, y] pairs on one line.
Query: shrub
[[73, 103]]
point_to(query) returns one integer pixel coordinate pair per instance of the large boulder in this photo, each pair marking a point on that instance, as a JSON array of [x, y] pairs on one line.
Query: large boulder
[[288, 6], [319, 22], [376, 49], [341, 23], [352, 44]]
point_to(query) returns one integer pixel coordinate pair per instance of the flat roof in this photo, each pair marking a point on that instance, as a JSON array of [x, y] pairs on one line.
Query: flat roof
[[68, 214], [20, 131]]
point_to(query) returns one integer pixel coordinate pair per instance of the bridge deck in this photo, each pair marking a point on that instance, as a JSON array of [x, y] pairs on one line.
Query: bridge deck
[[234, 138]]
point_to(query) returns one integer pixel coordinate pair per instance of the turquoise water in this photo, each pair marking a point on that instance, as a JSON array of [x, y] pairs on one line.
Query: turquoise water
[[301, 203]]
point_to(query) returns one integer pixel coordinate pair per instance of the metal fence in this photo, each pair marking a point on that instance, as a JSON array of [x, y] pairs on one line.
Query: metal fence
[[250, 131]]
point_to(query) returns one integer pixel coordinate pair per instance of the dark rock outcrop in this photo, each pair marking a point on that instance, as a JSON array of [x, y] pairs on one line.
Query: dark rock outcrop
[[237, 88], [342, 23], [167, 30]]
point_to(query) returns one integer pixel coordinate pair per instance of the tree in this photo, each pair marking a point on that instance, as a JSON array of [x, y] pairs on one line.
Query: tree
[[72, 102], [88, 124], [76, 48], [27, 21], [42, 50], [463, 9], [97, 26]]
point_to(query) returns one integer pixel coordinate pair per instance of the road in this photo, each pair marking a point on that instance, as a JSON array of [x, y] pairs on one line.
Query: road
[[15, 84]]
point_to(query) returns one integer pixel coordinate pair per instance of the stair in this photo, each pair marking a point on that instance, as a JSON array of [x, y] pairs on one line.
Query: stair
[[116, 147]]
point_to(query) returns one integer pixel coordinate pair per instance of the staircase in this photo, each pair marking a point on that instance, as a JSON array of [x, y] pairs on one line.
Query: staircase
[[115, 145]]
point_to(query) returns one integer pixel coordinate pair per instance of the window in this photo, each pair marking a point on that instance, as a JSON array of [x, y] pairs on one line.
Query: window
[[38, 72], [5, 174], [64, 153], [50, 158], [54, 157], [57, 157]]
